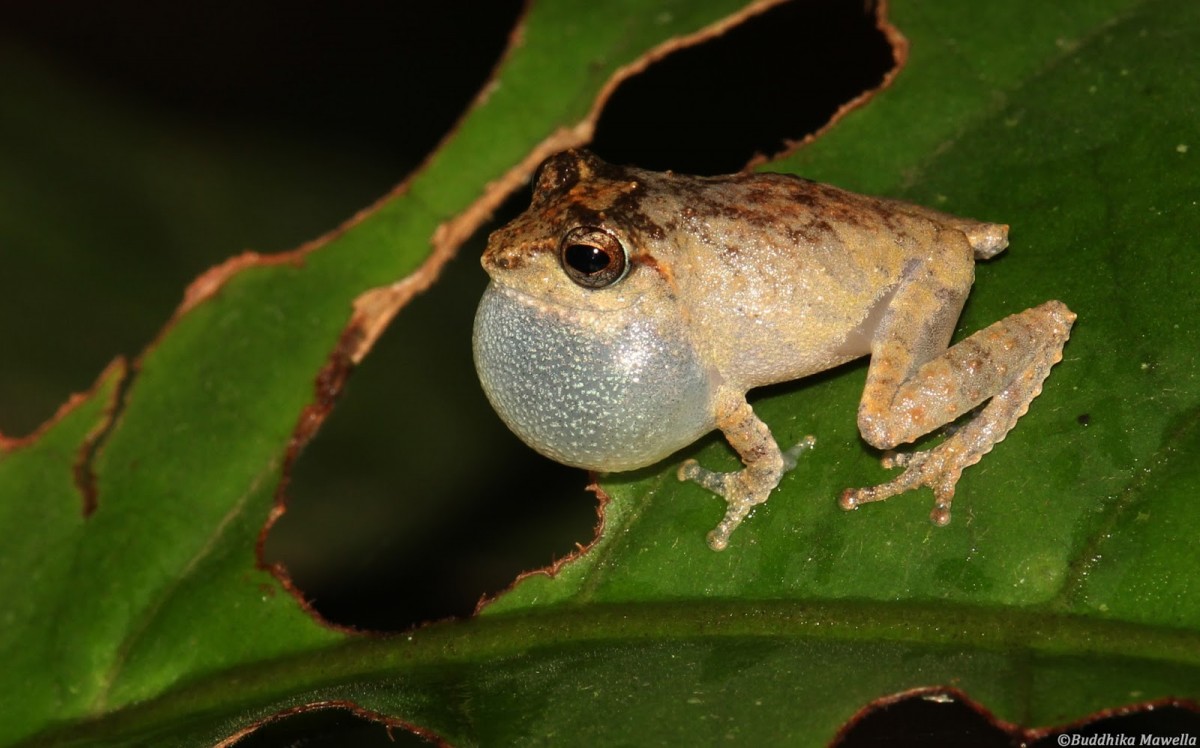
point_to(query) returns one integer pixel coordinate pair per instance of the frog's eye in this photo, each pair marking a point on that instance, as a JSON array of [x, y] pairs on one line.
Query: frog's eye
[[592, 257]]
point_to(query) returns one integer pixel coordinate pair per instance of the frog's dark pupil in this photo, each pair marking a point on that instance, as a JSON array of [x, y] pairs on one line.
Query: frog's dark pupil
[[587, 259]]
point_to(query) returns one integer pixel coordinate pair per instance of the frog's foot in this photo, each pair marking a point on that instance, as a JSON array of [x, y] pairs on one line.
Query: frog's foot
[[741, 493], [742, 490], [937, 468], [1003, 366], [942, 466]]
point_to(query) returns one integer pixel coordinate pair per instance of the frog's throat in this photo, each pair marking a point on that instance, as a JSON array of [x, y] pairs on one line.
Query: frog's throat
[[612, 396]]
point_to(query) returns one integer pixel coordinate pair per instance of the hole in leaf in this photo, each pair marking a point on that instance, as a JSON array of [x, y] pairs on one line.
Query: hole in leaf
[[418, 523], [944, 718], [414, 500], [329, 728], [929, 720], [709, 108], [1170, 724]]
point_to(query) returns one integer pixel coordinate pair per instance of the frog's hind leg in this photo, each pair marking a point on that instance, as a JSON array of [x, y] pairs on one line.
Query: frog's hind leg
[[915, 384]]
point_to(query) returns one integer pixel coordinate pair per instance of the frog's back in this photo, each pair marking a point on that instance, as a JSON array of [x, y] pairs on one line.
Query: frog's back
[[782, 272], [986, 239], [816, 205]]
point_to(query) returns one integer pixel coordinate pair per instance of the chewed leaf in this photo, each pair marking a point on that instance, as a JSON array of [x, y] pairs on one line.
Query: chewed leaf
[[138, 612]]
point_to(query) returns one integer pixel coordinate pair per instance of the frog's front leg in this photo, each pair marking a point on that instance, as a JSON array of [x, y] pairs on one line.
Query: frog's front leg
[[914, 384], [765, 465]]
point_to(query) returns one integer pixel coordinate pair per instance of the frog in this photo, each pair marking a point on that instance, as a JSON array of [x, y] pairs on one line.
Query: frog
[[629, 312]]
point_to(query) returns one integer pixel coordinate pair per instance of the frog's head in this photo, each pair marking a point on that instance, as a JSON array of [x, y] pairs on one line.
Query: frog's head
[[583, 243], [578, 340]]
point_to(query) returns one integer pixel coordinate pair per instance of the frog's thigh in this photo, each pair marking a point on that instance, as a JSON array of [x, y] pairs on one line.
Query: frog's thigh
[[914, 385], [915, 328]]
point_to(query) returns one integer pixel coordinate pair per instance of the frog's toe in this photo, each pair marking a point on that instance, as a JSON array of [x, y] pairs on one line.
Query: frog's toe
[[718, 483], [940, 515], [718, 540], [932, 468], [739, 506], [792, 456], [739, 495], [688, 470]]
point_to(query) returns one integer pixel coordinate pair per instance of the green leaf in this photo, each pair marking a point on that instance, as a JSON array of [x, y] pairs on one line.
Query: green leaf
[[1065, 584]]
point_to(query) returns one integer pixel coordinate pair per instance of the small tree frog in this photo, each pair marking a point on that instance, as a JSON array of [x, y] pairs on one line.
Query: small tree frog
[[630, 311]]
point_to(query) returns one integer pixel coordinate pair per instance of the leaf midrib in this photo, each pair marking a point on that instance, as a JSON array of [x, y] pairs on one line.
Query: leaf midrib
[[1016, 631]]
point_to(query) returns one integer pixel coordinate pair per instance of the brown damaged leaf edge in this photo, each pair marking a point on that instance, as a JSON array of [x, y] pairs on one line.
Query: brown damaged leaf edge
[[552, 570], [899, 45], [388, 723], [1016, 734], [14, 443], [84, 477], [375, 309], [1038, 733], [202, 288]]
